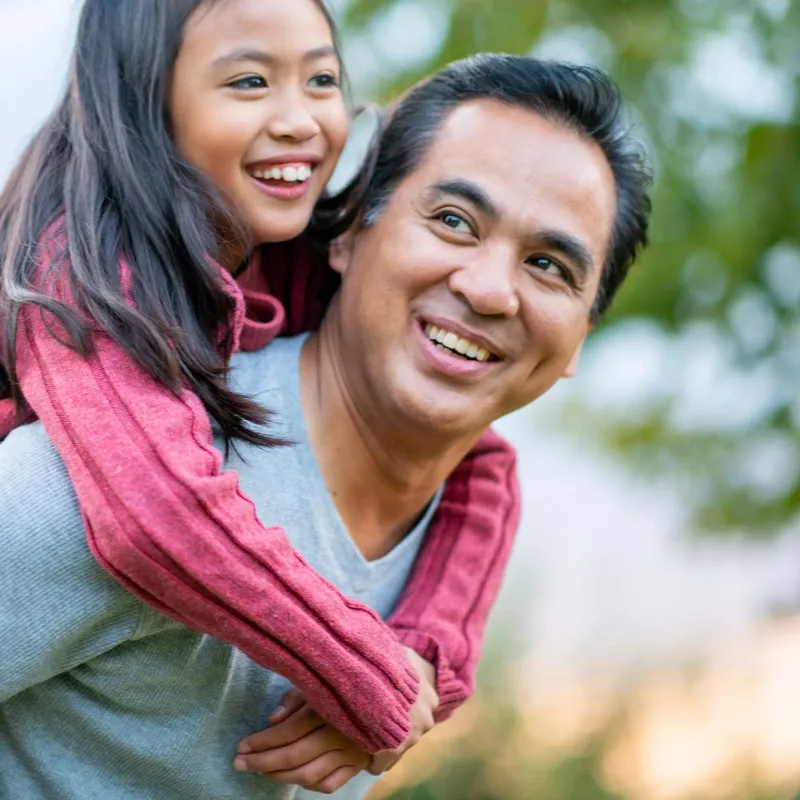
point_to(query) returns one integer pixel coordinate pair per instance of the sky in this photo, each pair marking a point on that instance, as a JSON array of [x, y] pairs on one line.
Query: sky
[[604, 572]]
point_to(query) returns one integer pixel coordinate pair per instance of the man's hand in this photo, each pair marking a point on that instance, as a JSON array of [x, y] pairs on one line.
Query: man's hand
[[421, 715], [302, 749]]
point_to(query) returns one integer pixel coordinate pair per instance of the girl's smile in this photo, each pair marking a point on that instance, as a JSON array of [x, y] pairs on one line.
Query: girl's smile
[[287, 178]]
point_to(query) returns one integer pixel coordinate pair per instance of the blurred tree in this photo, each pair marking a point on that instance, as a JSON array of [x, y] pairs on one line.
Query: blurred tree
[[713, 84]]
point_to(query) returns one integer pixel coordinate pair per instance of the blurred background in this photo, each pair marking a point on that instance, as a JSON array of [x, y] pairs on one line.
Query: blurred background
[[647, 642]]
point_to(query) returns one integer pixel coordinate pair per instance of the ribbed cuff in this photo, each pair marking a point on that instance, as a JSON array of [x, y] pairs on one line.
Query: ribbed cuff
[[392, 724], [452, 691]]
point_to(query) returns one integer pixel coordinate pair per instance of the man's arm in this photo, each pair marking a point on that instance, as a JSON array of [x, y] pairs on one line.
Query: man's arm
[[58, 608]]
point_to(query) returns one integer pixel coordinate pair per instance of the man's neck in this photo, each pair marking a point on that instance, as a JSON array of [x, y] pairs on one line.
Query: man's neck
[[380, 478]]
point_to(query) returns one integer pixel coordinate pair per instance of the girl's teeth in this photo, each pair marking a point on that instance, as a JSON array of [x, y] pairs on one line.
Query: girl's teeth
[[289, 174]]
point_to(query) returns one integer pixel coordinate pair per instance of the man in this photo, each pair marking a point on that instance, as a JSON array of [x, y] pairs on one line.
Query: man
[[506, 207]]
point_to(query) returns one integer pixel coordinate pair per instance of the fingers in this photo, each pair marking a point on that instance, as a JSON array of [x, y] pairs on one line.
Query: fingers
[[383, 761], [422, 721], [292, 756], [317, 772], [298, 725], [293, 700], [334, 781]]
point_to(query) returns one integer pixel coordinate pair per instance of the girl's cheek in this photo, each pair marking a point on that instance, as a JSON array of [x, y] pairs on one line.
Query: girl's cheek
[[337, 126]]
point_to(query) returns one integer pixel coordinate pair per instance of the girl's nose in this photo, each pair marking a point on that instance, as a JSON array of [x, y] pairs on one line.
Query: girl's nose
[[292, 119]]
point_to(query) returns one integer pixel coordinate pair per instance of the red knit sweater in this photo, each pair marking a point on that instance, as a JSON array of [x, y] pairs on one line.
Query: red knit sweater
[[165, 521]]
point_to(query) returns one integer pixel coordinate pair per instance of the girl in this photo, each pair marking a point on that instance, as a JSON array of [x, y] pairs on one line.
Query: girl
[[194, 137]]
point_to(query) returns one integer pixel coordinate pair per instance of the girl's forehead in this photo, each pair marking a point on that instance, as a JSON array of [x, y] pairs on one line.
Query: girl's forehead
[[220, 21]]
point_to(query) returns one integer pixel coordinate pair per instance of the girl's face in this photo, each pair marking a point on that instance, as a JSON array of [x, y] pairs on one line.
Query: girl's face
[[256, 105]]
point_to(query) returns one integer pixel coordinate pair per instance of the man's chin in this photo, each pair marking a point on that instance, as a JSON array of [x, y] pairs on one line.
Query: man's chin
[[442, 419]]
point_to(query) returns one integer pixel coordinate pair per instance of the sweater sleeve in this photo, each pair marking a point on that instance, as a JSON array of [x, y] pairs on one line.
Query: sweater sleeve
[[8, 417], [163, 519], [443, 611]]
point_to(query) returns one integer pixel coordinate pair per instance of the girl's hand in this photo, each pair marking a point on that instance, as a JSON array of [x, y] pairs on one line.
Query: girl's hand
[[302, 749], [300, 745], [421, 715]]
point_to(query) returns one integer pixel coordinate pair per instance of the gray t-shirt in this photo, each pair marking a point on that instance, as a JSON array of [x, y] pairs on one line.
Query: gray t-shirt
[[102, 697]]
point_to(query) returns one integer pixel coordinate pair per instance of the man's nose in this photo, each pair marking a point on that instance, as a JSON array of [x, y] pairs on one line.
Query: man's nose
[[488, 284], [291, 118]]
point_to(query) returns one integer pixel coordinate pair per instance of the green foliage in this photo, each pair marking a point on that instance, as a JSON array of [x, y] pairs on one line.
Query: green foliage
[[725, 245]]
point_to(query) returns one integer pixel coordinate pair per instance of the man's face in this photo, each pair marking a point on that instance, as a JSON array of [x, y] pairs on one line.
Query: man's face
[[494, 246]]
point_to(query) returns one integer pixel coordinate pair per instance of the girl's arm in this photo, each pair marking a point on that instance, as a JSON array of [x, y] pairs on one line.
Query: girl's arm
[[8, 417], [443, 610], [163, 520]]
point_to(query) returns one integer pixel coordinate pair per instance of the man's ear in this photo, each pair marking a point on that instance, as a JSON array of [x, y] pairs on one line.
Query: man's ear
[[341, 250], [572, 368]]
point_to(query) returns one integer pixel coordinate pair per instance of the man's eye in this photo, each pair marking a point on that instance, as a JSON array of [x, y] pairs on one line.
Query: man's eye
[[249, 82], [455, 223], [549, 266], [324, 81]]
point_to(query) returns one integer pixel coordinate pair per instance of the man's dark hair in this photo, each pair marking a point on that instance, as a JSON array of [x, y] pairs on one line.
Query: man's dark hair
[[582, 98]]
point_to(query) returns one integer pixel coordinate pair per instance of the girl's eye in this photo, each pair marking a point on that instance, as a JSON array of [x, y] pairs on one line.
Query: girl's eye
[[455, 222], [549, 266], [324, 81], [249, 82]]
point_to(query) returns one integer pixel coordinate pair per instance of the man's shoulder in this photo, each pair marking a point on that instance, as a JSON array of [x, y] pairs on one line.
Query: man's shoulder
[[271, 377], [41, 526], [267, 369], [35, 489], [58, 607]]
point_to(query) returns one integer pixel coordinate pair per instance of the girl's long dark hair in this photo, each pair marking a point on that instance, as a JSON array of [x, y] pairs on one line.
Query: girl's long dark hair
[[105, 164]]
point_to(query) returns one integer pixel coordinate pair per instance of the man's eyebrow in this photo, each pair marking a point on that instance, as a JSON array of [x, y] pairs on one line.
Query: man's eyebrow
[[569, 246], [469, 191], [564, 243], [262, 57]]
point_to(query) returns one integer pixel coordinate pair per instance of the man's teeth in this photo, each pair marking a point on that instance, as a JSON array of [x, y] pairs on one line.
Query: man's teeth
[[289, 174], [452, 341]]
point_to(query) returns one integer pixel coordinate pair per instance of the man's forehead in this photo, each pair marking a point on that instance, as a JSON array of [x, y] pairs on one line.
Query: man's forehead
[[493, 136], [535, 170]]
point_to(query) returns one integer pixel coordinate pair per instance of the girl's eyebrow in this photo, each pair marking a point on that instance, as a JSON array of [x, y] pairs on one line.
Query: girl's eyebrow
[[262, 57]]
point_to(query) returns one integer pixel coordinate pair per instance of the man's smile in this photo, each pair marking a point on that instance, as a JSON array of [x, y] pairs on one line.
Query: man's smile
[[453, 343], [441, 349]]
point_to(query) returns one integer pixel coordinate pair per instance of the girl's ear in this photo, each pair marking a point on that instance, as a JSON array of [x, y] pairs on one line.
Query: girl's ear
[[341, 250]]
